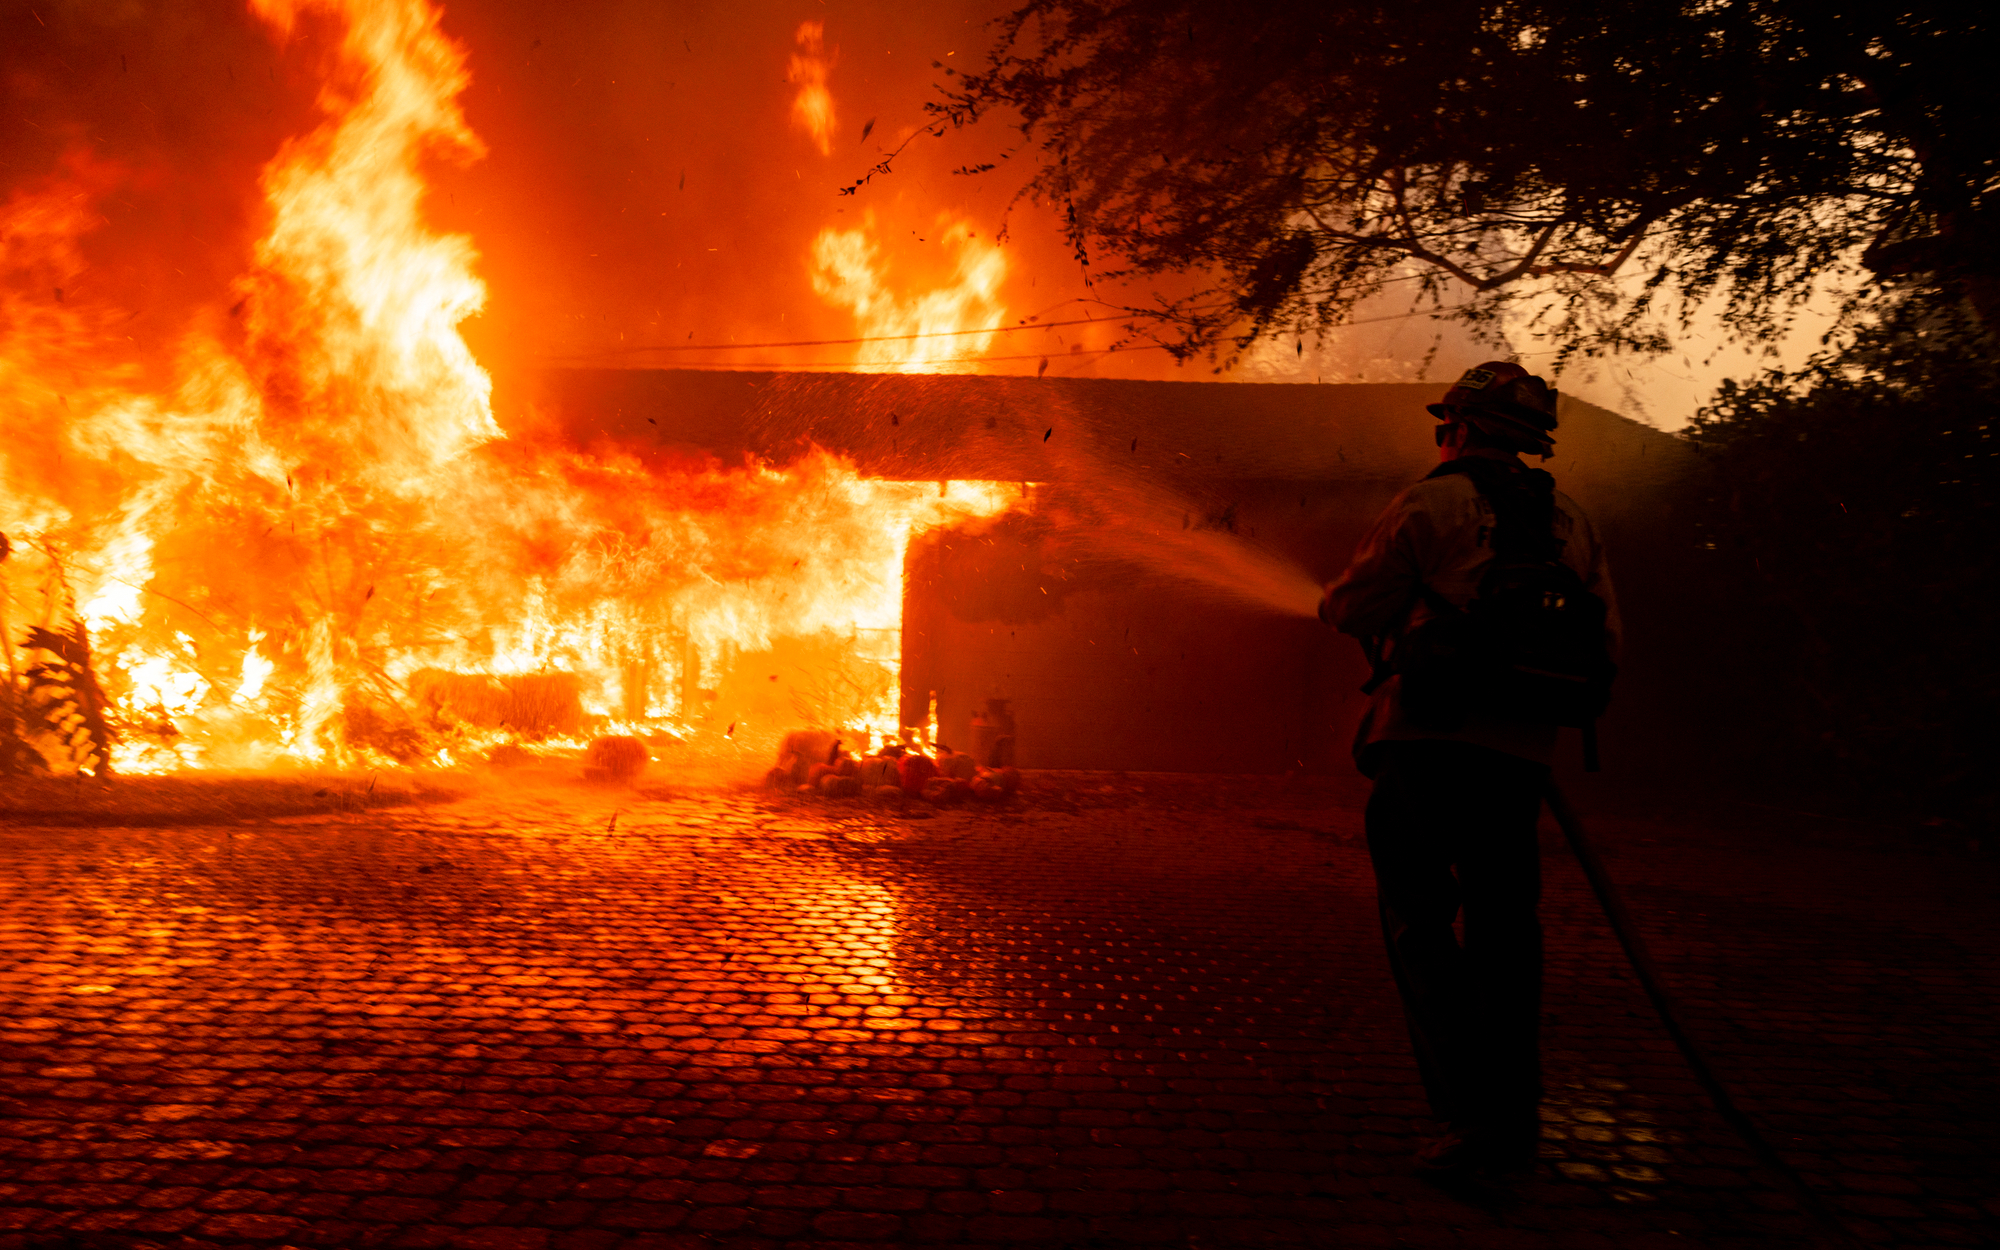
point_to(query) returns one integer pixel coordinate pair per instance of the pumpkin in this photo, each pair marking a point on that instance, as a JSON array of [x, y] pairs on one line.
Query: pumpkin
[[915, 770], [946, 791], [805, 747]]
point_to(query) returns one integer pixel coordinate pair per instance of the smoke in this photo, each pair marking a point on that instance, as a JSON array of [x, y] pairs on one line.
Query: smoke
[[153, 118]]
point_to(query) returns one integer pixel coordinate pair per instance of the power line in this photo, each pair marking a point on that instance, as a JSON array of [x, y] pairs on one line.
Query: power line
[[1127, 315], [863, 365], [875, 338], [1031, 324], [951, 360], [780, 366]]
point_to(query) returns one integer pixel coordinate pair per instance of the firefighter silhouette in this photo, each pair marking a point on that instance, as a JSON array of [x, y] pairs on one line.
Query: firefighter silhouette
[[1460, 759]]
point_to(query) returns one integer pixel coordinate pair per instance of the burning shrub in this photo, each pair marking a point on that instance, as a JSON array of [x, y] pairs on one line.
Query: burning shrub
[[386, 731], [52, 717], [616, 758], [509, 756]]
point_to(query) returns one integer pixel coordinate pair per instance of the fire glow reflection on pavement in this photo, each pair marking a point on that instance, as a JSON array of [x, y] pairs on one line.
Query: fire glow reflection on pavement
[[571, 1017]]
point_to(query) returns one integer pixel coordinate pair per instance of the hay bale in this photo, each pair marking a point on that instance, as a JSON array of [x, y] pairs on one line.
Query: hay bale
[[532, 705]]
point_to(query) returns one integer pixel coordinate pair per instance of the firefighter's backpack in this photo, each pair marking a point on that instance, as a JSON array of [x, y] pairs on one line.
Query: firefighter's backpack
[[1531, 645]]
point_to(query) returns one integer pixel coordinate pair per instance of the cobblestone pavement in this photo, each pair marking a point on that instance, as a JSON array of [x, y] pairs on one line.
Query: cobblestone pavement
[[585, 1021]]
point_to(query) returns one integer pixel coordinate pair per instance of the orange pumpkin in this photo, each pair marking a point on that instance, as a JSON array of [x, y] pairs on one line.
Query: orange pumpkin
[[958, 764], [915, 770]]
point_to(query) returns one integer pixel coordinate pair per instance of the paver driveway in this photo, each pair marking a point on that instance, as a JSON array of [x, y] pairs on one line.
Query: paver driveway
[[576, 1020]]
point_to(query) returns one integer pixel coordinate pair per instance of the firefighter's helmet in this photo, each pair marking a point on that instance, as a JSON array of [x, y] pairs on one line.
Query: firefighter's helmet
[[1505, 403]]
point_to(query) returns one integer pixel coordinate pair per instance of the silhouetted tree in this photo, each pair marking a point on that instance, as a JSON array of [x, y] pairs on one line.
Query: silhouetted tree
[[1295, 156], [1860, 501]]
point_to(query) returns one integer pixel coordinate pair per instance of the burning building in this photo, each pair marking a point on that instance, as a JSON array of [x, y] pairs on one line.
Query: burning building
[[295, 530], [1143, 593], [299, 536]]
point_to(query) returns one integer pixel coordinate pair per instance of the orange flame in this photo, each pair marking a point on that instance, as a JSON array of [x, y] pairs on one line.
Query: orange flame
[[812, 106], [849, 271], [350, 283], [318, 546]]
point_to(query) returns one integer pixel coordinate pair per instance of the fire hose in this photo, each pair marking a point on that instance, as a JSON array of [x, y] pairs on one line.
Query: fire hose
[[1831, 1231]]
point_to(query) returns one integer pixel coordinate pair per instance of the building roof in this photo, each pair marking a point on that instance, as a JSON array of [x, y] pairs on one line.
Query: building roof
[[927, 427]]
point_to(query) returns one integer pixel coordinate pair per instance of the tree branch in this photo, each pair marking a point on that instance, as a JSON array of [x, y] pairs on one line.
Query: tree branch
[[1606, 268], [1417, 251]]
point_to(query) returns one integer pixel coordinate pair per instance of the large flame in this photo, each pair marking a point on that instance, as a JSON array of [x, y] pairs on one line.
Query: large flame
[[316, 545], [350, 285], [926, 331]]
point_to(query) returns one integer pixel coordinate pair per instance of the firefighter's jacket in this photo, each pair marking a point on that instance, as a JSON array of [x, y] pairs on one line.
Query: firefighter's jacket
[[1438, 532]]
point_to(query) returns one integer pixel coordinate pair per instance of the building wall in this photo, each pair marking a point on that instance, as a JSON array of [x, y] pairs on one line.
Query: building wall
[[1112, 665], [1107, 614]]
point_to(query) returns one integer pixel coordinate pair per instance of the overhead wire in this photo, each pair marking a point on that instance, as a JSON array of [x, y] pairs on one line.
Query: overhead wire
[[747, 366], [1128, 314], [848, 365], [576, 358], [873, 338]]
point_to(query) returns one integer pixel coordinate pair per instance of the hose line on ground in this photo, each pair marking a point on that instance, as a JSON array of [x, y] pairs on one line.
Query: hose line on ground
[[1832, 1231]]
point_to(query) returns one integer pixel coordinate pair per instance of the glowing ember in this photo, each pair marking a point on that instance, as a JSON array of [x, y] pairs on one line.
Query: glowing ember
[[317, 546], [812, 105]]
